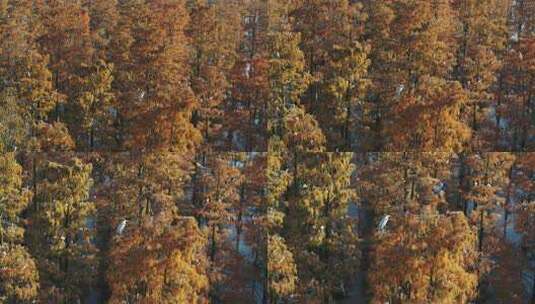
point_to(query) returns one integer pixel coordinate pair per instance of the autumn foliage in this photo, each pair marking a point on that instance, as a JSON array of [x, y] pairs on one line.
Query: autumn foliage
[[267, 151]]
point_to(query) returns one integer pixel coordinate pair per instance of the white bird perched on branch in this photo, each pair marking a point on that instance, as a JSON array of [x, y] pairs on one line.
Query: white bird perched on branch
[[121, 226], [383, 222], [400, 90], [247, 71], [200, 165], [514, 37]]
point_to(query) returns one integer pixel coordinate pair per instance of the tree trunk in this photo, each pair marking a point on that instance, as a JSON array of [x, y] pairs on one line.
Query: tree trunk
[[507, 202], [239, 219], [265, 296], [92, 138], [460, 197], [213, 244], [347, 141], [34, 183], [481, 231]]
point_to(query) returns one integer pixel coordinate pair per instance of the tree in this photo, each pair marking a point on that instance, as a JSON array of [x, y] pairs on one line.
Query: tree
[[336, 57], [27, 79], [247, 105], [487, 174], [507, 273], [12, 129], [159, 260], [377, 32], [220, 182], [102, 22], [428, 258], [59, 236], [212, 30], [525, 223], [514, 110], [250, 202], [415, 105], [309, 209], [95, 103], [150, 56], [148, 190], [30, 96], [401, 183], [483, 185], [282, 271], [77, 38], [346, 87], [242, 250], [14, 199], [301, 133], [19, 277], [481, 40], [288, 78], [66, 39]]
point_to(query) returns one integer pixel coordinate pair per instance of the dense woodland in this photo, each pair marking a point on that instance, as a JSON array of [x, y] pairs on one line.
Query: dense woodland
[[267, 151]]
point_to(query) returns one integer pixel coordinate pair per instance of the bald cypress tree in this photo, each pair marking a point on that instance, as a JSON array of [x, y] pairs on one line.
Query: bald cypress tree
[[441, 271], [28, 81], [214, 32], [59, 236], [19, 277], [150, 56], [514, 111], [336, 56], [282, 272], [160, 260], [414, 104], [66, 39], [308, 202], [288, 78], [481, 42]]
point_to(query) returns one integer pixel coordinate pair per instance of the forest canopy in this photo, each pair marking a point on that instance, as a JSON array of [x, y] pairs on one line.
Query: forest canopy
[[267, 151]]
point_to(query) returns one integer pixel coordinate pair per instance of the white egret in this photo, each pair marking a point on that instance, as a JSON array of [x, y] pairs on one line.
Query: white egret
[[400, 90], [121, 226], [383, 222], [514, 37], [202, 167]]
